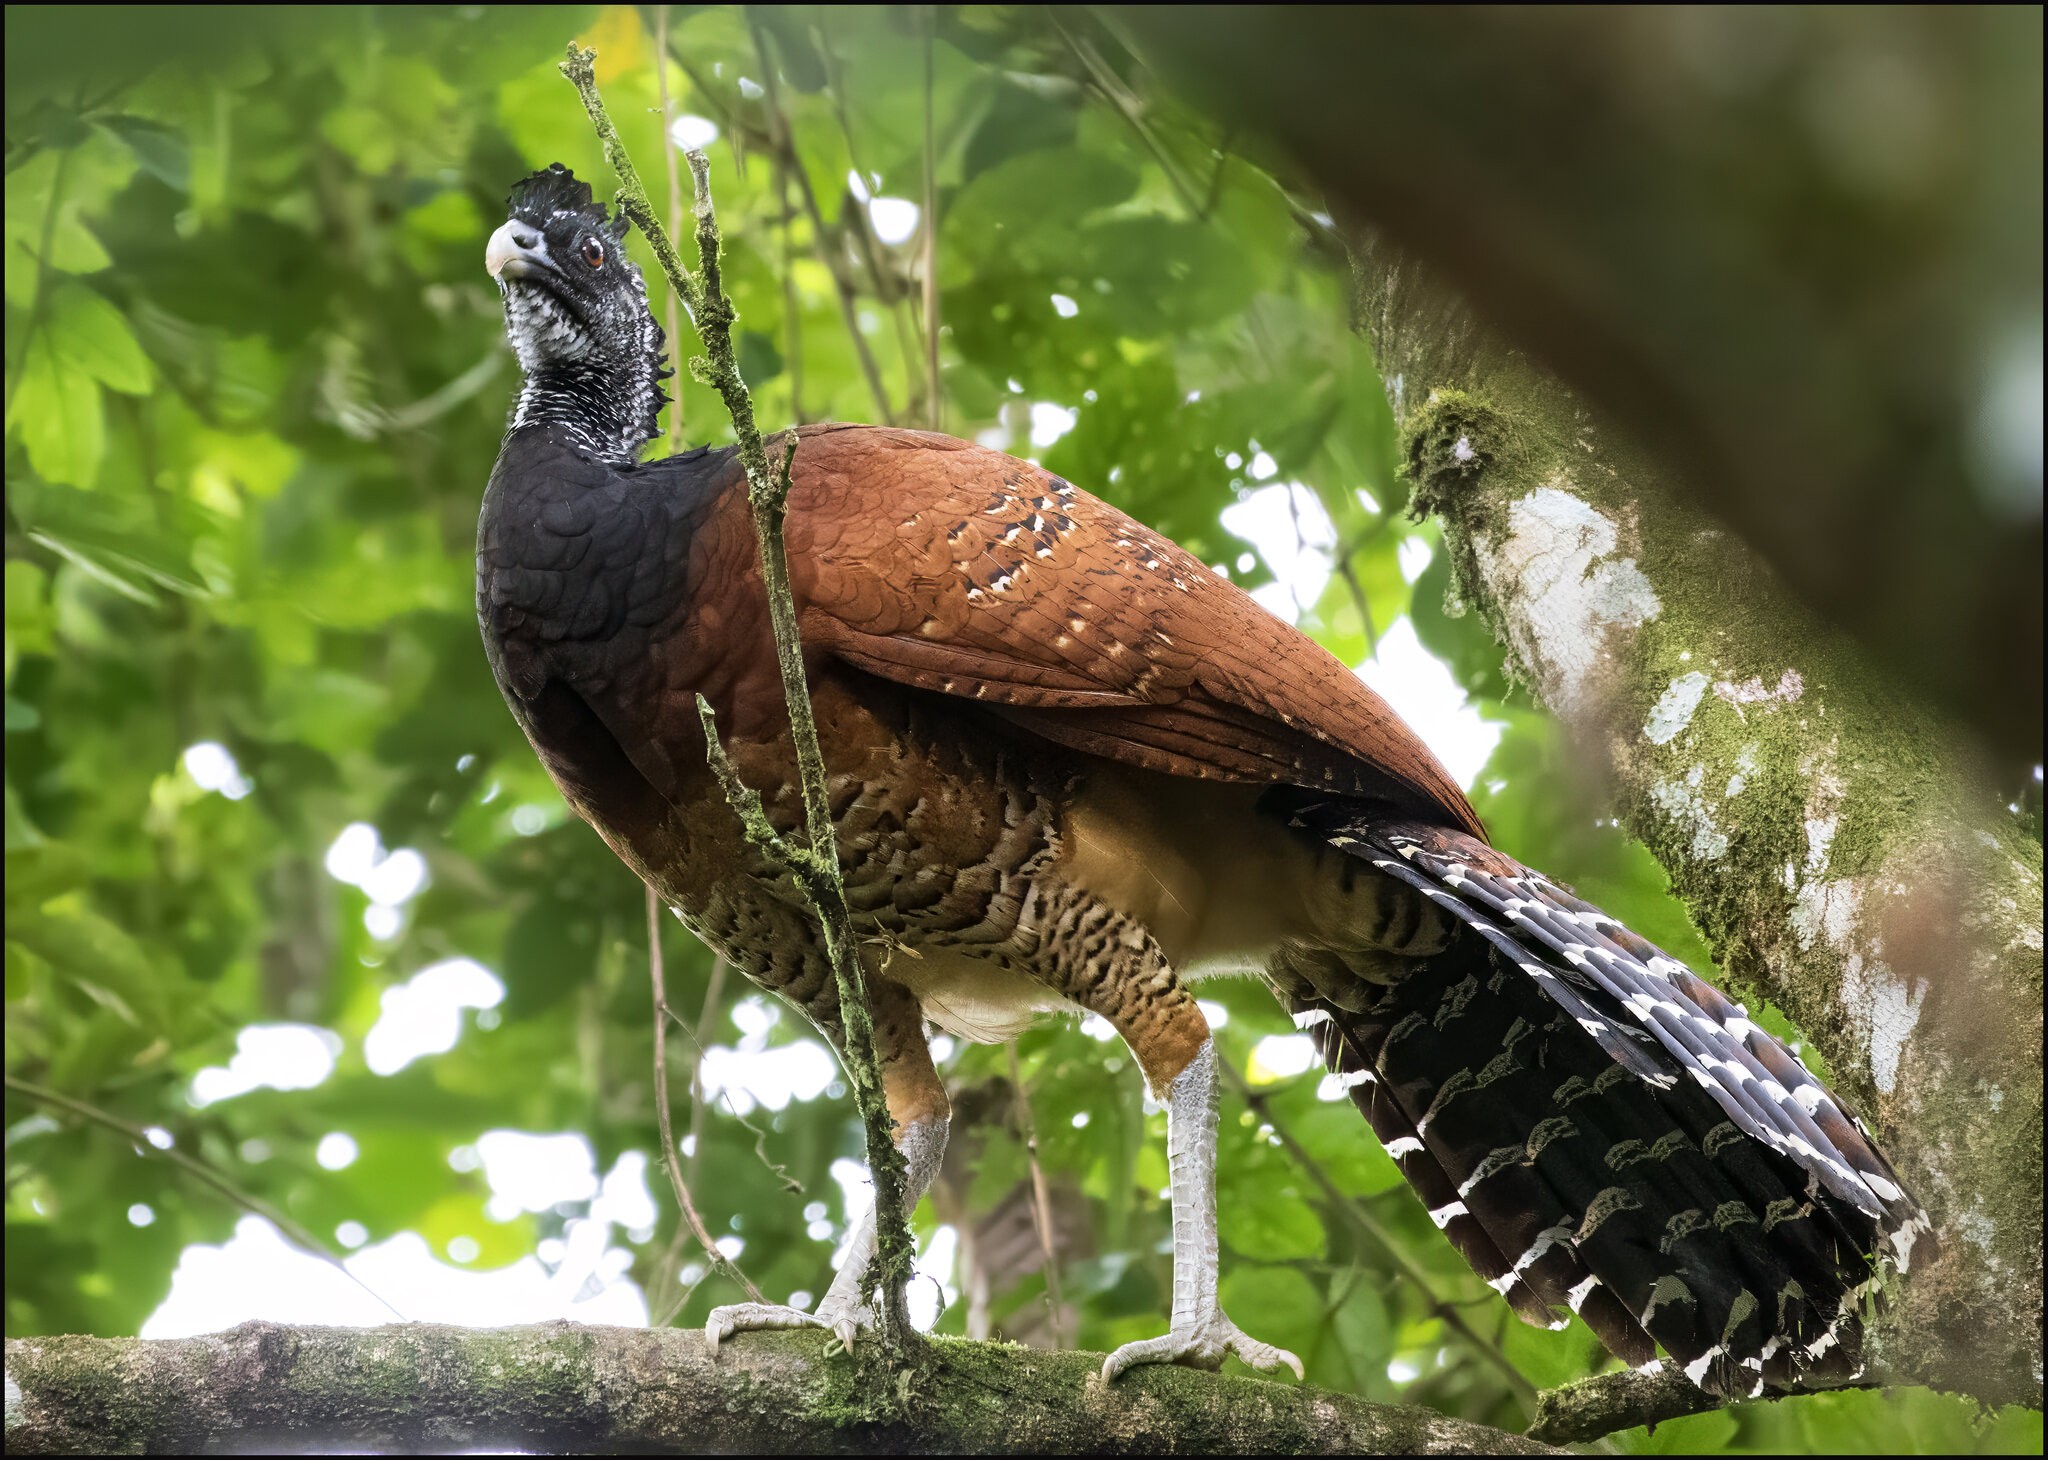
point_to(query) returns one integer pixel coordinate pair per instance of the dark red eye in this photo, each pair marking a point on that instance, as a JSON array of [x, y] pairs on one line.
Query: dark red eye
[[593, 253]]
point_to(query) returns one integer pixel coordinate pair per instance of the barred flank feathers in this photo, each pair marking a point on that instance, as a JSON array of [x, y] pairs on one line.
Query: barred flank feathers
[[1597, 1130]]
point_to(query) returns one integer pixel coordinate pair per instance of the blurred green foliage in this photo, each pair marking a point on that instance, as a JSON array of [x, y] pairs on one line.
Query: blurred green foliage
[[255, 379]]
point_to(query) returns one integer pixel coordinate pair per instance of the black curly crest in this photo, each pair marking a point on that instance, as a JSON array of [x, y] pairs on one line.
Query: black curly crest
[[539, 196]]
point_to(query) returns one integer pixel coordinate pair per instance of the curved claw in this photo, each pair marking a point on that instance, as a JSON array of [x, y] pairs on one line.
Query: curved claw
[[843, 1324], [1200, 1346], [742, 1317]]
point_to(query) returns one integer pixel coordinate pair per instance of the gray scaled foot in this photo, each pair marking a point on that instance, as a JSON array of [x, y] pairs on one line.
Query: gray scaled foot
[[841, 1310], [1201, 1333], [843, 1320], [1201, 1345]]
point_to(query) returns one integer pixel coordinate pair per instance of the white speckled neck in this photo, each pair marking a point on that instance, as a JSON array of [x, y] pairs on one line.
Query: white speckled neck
[[605, 392]]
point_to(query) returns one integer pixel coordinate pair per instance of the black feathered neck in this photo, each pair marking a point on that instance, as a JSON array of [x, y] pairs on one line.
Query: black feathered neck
[[592, 353]]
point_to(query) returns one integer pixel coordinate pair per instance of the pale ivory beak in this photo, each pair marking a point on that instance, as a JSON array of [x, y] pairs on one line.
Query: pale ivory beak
[[516, 251]]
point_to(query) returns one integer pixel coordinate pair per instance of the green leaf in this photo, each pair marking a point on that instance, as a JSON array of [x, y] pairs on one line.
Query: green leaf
[[89, 331], [1462, 641], [1550, 1357], [101, 533], [29, 615], [22, 834], [95, 955], [23, 969], [1695, 1434], [161, 152], [1267, 1215], [57, 415], [1276, 1305]]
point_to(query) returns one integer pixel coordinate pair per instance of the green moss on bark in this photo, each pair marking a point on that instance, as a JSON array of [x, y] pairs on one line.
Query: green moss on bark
[[562, 1387]]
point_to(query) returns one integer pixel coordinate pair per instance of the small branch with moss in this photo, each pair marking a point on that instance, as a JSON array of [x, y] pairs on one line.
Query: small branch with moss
[[815, 864], [1582, 1412], [1577, 1414]]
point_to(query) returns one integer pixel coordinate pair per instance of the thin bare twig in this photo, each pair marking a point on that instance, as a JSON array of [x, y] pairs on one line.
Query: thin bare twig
[[684, 1201], [1349, 574], [713, 988], [199, 1171], [931, 253], [889, 288], [1041, 1199], [1369, 1226], [671, 1259], [675, 218], [792, 312], [780, 1172], [1216, 177], [821, 236], [1133, 114], [40, 302]]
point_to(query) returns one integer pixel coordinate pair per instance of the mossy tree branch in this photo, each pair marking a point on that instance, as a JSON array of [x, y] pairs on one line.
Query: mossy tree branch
[[1581, 1412], [814, 865], [561, 1387], [1829, 836]]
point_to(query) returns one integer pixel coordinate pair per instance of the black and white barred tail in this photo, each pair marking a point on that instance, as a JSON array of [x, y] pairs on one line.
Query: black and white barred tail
[[1600, 1132]]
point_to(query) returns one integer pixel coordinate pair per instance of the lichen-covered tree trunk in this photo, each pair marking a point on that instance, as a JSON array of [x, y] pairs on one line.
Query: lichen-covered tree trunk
[[555, 1387], [1834, 840]]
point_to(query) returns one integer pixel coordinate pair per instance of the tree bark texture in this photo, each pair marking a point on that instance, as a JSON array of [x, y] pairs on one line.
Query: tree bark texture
[[1827, 833], [564, 1387]]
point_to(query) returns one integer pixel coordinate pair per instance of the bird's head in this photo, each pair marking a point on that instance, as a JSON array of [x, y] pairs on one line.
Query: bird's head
[[576, 312]]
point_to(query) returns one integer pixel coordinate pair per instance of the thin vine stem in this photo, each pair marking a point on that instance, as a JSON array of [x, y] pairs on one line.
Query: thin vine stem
[[784, 148], [675, 211], [684, 1202], [1369, 1226], [199, 1171], [933, 400], [1041, 1198]]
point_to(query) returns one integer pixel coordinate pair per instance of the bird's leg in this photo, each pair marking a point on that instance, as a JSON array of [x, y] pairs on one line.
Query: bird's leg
[[1202, 1332], [917, 1103], [1161, 1022]]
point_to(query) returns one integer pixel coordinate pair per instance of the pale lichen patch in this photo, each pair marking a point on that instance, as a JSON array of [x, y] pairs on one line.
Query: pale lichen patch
[[1752, 691], [1683, 803], [1977, 1228], [1820, 835], [1872, 991], [1745, 767], [1674, 708], [1560, 556], [1824, 911]]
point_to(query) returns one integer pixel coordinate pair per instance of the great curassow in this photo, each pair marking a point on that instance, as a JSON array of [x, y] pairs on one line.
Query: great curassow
[[1071, 767]]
